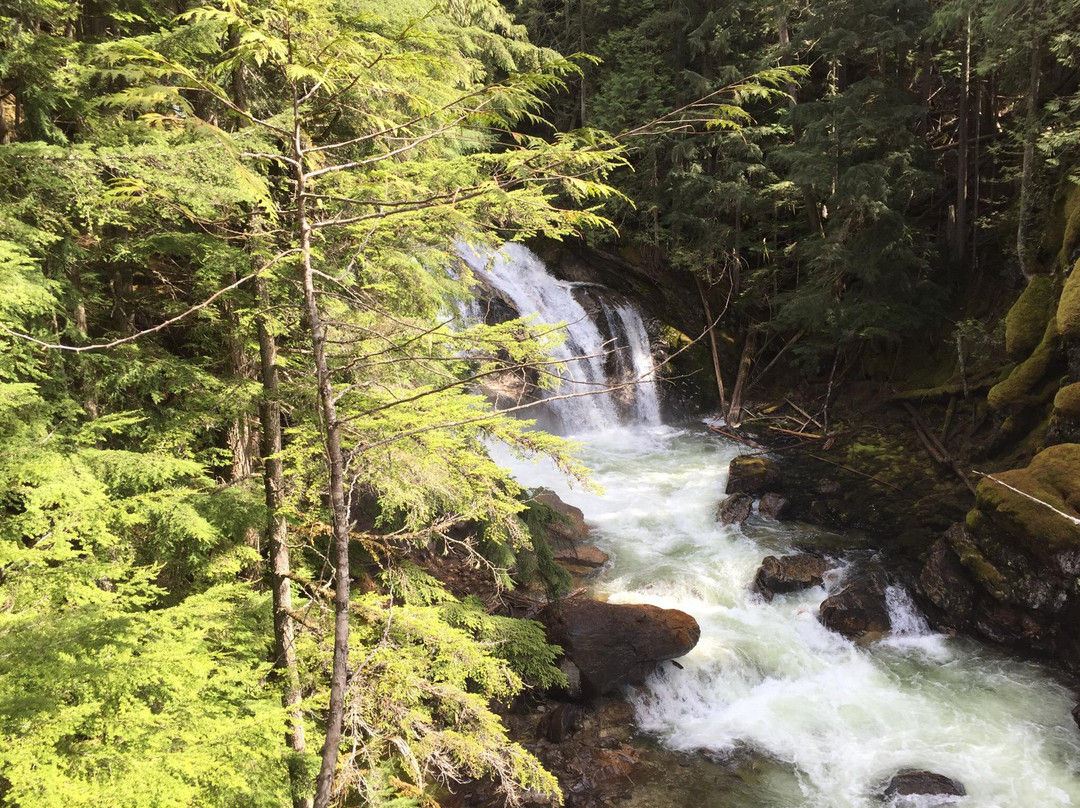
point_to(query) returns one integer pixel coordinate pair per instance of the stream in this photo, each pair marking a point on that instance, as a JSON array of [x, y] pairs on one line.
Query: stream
[[773, 709], [826, 722]]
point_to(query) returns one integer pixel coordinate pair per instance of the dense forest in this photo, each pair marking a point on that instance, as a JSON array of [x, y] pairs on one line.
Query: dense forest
[[237, 395]]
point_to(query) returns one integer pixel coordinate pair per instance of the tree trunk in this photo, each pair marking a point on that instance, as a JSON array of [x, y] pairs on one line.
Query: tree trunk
[[340, 520], [735, 413], [960, 232], [1024, 250], [277, 540], [711, 325]]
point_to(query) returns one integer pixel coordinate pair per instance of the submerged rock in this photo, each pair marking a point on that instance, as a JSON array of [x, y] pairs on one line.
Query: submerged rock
[[859, 611], [789, 574], [752, 475], [909, 782], [735, 509], [617, 644]]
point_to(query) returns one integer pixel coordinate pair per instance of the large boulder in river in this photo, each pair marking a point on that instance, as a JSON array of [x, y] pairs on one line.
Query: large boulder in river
[[910, 783], [569, 528], [859, 611], [752, 474], [735, 509], [616, 644], [790, 573]]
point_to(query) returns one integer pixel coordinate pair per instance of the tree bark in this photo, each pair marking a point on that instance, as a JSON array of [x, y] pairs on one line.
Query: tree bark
[[1024, 250], [277, 540], [735, 413], [711, 325], [960, 233]]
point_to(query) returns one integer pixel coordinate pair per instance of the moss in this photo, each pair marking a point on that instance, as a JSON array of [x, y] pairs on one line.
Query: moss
[[1020, 388], [977, 564], [1068, 310], [1072, 227], [1026, 321], [1067, 402], [1053, 476]]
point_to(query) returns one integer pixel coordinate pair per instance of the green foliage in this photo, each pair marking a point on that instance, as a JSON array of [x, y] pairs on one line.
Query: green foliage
[[1029, 381]]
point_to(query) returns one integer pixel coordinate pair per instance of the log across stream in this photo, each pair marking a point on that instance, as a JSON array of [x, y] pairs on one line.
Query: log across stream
[[828, 721]]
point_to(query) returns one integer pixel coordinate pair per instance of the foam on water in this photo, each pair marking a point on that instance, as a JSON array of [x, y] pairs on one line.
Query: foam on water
[[769, 677]]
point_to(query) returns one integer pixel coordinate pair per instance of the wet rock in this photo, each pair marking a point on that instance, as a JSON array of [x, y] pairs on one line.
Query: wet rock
[[580, 560], [560, 723], [616, 644], [858, 611], [735, 509], [774, 506], [789, 574], [568, 531], [752, 475], [910, 782]]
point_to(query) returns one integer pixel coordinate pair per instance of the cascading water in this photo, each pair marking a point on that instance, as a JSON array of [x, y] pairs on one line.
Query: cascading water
[[826, 721], [584, 401]]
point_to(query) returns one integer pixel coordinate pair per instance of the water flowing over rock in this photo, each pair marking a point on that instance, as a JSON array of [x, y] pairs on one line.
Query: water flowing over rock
[[609, 374], [790, 574], [615, 644]]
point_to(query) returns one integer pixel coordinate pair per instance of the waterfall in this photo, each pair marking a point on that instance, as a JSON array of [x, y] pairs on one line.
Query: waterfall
[[605, 375]]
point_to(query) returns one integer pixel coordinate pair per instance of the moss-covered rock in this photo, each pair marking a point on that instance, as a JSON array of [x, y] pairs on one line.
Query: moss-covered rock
[[1026, 321], [1027, 384], [1071, 237], [1067, 402], [1068, 310], [1053, 476]]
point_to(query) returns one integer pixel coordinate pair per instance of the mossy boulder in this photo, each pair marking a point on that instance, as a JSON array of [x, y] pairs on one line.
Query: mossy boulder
[[1068, 309], [1071, 237], [1028, 382], [1067, 402], [1026, 321], [752, 475], [1053, 477]]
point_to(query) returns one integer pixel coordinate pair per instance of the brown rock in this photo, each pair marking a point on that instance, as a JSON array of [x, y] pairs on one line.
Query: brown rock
[[789, 574], [567, 532], [582, 560], [773, 506], [751, 475], [615, 644], [858, 611], [909, 782], [735, 509]]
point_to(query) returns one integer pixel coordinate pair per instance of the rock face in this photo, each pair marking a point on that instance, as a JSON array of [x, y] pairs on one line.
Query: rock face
[[1007, 574], [910, 783], [568, 535], [752, 475], [858, 611], [735, 509], [617, 644], [789, 574]]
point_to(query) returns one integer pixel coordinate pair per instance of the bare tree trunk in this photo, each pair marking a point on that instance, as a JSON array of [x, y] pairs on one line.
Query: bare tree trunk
[[1024, 250], [340, 519], [960, 233], [711, 325], [735, 413], [277, 538]]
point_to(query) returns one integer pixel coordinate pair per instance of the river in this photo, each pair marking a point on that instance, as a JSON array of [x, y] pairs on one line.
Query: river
[[825, 721]]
